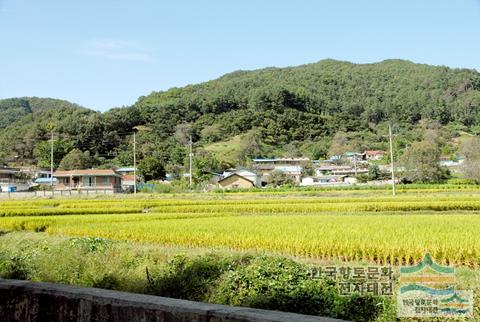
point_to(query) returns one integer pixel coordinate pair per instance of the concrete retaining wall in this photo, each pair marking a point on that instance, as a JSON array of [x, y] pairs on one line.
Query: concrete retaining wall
[[27, 301]]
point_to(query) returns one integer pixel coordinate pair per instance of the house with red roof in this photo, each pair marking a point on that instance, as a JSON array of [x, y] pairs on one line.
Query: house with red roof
[[89, 180], [373, 155]]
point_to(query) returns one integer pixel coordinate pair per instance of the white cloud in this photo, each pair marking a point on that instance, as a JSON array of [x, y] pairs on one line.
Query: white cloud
[[115, 49]]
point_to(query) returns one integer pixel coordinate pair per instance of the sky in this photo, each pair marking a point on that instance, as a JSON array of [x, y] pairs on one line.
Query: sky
[[107, 53]]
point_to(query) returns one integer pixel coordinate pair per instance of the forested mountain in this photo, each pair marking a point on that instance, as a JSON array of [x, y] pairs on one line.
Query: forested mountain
[[294, 110]]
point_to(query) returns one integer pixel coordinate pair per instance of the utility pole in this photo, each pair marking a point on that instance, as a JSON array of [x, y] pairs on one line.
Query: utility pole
[[51, 164], [190, 163], [355, 162], [134, 163], [391, 159]]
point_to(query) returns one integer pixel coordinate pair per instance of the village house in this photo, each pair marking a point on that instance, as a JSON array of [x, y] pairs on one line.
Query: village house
[[125, 170], [353, 157], [373, 155], [292, 171], [106, 180], [292, 167], [8, 174], [250, 175], [41, 177], [44, 181], [234, 181], [128, 177], [12, 179], [280, 161], [452, 163], [327, 180], [322, 170]]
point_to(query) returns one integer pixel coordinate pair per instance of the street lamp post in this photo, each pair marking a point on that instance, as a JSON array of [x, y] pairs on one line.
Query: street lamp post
[[136, 128], [51, 165], [190, 163], [392, 166], [134, 162]]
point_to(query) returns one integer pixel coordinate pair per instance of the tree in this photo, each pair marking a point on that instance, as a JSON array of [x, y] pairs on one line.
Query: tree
[[124, 157], [3, 157], [183, 132], [278, 179], [43, 150], [211, 133], [316, 149], [471, 165], [340, 144], [308, 168], [292, 150], [151, 168], [251, 147], [373, 172], [76, 159], [422, 163], [204, 166]]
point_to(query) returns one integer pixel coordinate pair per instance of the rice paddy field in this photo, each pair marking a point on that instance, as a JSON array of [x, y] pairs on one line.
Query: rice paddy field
[[369, 226], [110, 241]]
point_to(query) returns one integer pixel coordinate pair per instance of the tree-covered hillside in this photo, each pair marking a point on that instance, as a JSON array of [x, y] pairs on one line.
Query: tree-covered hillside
[[314, 100], [27, 121], [272, 111], [27, 124]]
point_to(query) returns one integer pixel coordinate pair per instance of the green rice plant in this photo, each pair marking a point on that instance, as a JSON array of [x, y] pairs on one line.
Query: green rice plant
[[380, 229]]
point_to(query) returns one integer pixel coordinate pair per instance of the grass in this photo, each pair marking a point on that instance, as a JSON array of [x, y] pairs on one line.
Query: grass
[[226, 150], [266, 282]]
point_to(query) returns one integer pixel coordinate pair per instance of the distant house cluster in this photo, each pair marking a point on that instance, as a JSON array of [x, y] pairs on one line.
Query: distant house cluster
[[345, 169], [325, 172], [259, 174], [337, 170], [107, 180]]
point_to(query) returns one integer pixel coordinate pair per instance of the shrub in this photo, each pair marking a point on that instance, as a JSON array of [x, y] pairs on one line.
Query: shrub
[[188, 278], [107, 281], [90, 244], [284, 285], [361, 308], [17, 266]]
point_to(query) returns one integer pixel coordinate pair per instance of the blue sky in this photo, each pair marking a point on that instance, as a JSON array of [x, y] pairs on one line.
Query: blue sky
[[107, 53]]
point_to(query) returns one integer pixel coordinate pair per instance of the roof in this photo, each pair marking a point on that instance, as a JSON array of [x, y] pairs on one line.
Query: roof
[[126, 169], [90, 172], [331, 177], [44, 180], [319, 179], [334, 167], [374, 152], [42, 172], [237, 175], [9, 170], [265, 167], [242, 172], [282, 160], [289, 169]]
